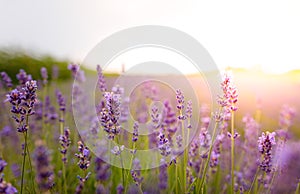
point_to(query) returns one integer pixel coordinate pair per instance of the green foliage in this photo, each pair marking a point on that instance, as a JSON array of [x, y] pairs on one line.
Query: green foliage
[[11, 62]]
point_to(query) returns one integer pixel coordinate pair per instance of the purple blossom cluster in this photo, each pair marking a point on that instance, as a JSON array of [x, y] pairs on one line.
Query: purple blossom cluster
[[22, 101], [44, 175], [5, 187], [265, 143], [65, 141], [6, 80], [110, 114]]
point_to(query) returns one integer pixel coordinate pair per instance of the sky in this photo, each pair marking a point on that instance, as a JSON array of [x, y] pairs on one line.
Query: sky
[[247, 34]]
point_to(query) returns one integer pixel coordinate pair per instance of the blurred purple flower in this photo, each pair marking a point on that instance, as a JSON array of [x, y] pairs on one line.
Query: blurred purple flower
[[6, 79], [101, 80], [44, 74], [44, 171]]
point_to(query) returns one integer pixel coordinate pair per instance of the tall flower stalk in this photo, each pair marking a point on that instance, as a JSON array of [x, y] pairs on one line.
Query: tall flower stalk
[[229, 99], [22, 101]]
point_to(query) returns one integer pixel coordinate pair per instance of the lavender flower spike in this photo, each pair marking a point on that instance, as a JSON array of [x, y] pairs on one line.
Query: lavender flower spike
[[44, 74], [265, 144], [6, 80]]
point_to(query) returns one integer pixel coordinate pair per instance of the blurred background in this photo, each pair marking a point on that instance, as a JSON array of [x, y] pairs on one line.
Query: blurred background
[[257, 40]]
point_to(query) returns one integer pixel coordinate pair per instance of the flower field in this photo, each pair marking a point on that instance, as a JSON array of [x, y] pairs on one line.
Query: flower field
[[173, 144]]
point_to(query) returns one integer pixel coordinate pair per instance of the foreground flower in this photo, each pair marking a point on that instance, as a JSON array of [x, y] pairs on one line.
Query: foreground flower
[[84, 162], [265, 144]]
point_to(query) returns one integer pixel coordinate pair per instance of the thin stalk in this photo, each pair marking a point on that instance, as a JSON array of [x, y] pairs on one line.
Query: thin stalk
[[255, 177], [61, 127], [121, 160], [208, 157], [26, 148], [232, 152], [131, 160], [24, 160], [184, 155]]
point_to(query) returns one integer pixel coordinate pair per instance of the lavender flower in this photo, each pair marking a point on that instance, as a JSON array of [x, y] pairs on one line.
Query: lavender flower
[[164, 145], [135, 132], [286, 117], [230, 96], [2, 165], [180, 104], [7, 188], [22, 102], [84, 162], [6, 80], [136, 172], [117, 150], [23, 77], [101, 80], [64, 141], [74, 68], [265, 144], [55, 71], [110, 115], [83, 155], [102, 170], [44, 175], [44, 74], [216, 152], [120, 189]]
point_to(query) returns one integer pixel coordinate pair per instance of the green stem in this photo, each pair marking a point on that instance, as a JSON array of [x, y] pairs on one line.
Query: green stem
[[61, 127], [127, 176], [24, 160], [232, 152], [208, 157], [26, 148]]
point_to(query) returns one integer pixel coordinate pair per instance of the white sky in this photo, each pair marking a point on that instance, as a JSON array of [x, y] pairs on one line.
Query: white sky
[[235, 33]]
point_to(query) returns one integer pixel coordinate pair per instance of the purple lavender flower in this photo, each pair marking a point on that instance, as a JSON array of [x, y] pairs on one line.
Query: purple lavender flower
[[164, 145], [7, 188], [169, 123], [44, 175], [120, 189], [23, 103], [84, 162], [110, 115], [101, 80], [6, 80], [2, 165], [230, 96], [4, 186], [135, 134], [216, 152], [23, 77], [117, 150], [136, 172], [61, 101], [74, 68], [180, 104], [101, 189], [55, 71], [44, 74], [286, 117], [83, 156], [65, 141], [102, 170], [265, 144]]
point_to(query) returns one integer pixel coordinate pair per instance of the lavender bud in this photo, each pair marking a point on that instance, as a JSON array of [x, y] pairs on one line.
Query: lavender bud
[[44, 74]]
